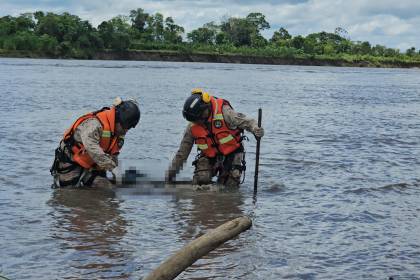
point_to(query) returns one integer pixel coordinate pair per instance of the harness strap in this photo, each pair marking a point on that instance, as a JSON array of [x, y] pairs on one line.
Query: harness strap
[[66, 169], [71, 182], [62, 184], [84, 179], [61, 156]]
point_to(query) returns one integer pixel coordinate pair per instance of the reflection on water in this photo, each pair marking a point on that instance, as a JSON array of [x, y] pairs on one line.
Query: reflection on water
[[200, 212], [207, 210], [89, 224]]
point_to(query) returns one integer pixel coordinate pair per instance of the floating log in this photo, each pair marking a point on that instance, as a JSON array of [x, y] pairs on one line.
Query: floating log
[[199, 247]]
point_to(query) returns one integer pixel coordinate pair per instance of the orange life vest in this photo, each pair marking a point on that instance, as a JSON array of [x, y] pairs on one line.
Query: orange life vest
[[220, 139], [108, 143]]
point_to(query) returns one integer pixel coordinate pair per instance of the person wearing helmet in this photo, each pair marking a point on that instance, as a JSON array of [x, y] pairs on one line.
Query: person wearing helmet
[[90, 147], [217, 130]]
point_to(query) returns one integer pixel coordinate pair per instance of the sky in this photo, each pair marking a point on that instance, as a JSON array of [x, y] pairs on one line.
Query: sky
[[393, 23]]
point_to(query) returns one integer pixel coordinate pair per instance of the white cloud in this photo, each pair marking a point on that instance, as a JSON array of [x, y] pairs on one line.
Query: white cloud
[[386, 25]]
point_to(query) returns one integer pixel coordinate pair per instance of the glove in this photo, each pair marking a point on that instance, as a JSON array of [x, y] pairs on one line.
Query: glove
[[115, 172], [108, 166], [116, 175], [258, 132]]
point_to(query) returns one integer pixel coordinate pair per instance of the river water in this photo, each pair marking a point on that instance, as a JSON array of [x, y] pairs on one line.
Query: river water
[[339, 188]]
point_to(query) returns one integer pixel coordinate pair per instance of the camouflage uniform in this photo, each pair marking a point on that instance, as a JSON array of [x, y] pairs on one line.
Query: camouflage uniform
[[89, 134], [204, 166]]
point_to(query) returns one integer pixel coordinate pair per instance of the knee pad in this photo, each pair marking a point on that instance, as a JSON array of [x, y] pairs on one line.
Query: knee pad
[[235, 173]]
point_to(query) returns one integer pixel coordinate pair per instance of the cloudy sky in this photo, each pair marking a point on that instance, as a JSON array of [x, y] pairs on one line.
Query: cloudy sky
[[394, 23]]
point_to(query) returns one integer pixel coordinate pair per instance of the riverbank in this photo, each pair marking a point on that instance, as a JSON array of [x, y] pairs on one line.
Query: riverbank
[[177, 56]]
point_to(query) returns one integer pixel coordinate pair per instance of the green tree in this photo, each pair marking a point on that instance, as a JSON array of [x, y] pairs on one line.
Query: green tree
[[258, 20], [327, 43], [297, 42], [246, 31], [411, 51], [115, 33], [222, 38], [328, 49], [106, 31], [57, 26], [47, 44], [361, 48], [258, 41], [391, 52], [139, 19], [67, 35], [9, 43], [26, 41], [7, 25], [238, 31], [343, 46], [25, 22], [280, 36], [341, 32], [155, 28], [75, 37], [120, 41], [38, 15], [65, 49], [202, 35], [10, 25], [310, 45], [378, 50], [172, 32]]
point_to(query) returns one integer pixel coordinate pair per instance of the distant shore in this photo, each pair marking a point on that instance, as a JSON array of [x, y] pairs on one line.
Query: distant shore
[[175, 56]]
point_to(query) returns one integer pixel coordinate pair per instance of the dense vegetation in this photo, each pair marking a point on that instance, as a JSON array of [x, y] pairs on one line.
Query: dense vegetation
[[66, 35]]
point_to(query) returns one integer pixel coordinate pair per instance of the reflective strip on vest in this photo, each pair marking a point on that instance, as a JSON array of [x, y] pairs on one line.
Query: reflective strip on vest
[[106, 134], [226, 139], [216, 109], [218, 117], [202, 146]]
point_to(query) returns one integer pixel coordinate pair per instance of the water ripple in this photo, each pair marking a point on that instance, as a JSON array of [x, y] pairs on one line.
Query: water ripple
[[338, 193]]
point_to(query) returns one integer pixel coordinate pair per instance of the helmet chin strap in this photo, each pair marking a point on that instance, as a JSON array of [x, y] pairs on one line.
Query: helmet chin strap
[[205, 115], [119, 130]]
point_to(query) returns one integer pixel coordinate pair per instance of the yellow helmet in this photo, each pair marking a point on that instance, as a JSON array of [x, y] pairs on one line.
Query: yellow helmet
[[205, 96]]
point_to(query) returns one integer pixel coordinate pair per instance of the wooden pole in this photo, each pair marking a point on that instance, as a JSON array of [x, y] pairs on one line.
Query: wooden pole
[[257, 154], [197, 248]]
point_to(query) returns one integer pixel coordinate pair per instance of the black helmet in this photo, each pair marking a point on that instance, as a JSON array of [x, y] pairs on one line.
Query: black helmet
[[194, 107], [127, 114]]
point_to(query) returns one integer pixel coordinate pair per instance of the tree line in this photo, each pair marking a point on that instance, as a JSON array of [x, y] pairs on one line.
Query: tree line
[[67, 35]]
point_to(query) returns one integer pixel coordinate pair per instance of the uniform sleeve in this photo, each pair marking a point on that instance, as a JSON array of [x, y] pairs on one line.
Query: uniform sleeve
[[183, 152], [89, 134], [238, 120]]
